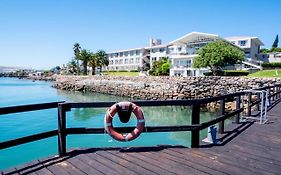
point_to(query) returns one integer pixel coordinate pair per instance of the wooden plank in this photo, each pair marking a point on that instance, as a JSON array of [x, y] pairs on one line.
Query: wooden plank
[[245, 159], [174, 166], [202, 161], [232, 161], [171, 168], [43, 171], [10, 171], [124, 162], [96, 165], [29, 168], [110, 164], [144, 164], [187, 162], [51, 165], [221, 164], [83, 166]]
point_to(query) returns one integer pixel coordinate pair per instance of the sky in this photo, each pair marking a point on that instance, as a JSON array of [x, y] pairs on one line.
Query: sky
[[40, 34]]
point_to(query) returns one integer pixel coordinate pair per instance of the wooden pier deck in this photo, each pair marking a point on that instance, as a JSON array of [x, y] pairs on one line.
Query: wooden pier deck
[[247, 148]]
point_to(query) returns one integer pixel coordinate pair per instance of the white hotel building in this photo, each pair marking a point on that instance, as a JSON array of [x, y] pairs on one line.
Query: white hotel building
[[181, 52]]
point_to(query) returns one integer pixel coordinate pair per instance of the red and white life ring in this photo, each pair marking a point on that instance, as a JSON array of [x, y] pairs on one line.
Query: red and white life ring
[[128, 136]]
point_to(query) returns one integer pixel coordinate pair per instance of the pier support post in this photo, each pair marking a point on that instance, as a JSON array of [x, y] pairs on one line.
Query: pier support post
[[238, 101], [61, 130], [195, 119]]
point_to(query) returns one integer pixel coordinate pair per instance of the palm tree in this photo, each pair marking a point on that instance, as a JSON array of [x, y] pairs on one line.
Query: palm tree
[[72, 67], [93, 62], [85, 57], [77, 49], [102, 59]]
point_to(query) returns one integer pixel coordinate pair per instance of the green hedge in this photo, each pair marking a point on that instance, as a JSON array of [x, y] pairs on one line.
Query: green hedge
[[229, 73], [120, 71], [271, 65]]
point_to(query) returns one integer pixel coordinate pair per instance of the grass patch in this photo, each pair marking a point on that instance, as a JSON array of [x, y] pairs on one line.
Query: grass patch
[[266, 73], [132, 74]]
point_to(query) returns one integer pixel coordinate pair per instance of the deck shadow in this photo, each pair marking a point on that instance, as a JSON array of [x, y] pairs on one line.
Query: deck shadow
[[228, 136]]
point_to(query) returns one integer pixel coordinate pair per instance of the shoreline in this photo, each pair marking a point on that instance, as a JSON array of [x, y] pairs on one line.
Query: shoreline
[[164, 88]]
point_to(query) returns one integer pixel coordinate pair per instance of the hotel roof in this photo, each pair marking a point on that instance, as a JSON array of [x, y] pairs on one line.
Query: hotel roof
[[194, 36], [235, 38]]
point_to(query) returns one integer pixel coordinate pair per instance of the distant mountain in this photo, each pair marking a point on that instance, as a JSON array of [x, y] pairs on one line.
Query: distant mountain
[[8, 69]]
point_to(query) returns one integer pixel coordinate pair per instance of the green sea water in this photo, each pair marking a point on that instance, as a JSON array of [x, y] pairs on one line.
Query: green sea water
[[19, 92]]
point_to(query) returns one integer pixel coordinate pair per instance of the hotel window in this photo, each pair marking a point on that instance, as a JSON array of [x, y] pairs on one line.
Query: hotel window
[[242, 42], [132, 60], [132, 52], [137, 52], [121, 61], [116, 61], [121, 54], [161, 49], [188, 63], [179, 49], [126, 61], [137, 60], [171, 49], [126, 54]]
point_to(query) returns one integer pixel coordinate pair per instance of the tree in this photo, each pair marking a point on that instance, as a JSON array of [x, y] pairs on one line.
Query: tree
[[275, 43], [93, 63], [161, 67], [77, 49], [216, 55], [102, 59], [72, 66], [264, 50], [85, 57]]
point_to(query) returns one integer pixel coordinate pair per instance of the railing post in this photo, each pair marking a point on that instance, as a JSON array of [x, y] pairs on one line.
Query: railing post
[[258, 99], [61, 130], [222, 112], [238, 106], [278, 92], [195, 119], [249, 112], [269, 99]]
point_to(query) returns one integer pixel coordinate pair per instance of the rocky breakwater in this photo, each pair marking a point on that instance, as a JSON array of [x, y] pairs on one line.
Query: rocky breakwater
[[162, 88]]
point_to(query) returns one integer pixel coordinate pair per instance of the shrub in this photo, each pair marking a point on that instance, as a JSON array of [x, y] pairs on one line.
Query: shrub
[[271, 65], [229, 73]]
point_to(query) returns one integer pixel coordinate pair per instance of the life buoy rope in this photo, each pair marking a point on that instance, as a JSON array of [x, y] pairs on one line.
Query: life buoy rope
[[124, 106]]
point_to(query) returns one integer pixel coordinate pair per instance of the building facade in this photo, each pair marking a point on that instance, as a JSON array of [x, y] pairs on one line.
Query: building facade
[[181, 52]]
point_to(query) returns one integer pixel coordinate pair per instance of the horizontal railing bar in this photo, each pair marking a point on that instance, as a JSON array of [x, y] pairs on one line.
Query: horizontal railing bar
[[31, 107], [220, 118], [130, 129], [26, 139]]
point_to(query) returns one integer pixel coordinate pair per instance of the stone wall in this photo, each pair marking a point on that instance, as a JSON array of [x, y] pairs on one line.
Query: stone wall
[[161, 88]]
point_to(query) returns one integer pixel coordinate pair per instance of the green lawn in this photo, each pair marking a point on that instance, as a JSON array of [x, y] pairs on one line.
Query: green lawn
[[121, 73], [266, 73]]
